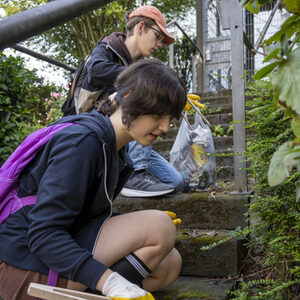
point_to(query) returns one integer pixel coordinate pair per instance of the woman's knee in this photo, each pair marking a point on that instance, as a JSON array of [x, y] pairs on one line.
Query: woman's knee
[[164, 229]]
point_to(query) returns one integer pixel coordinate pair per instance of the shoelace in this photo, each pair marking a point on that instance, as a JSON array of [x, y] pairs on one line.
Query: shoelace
[[150, 178]]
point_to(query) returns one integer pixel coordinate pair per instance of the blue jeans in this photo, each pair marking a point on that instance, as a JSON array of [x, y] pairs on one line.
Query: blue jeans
[[145, 158]]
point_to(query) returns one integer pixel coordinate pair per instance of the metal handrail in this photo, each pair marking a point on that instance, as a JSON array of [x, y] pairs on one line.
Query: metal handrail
[[21, 26], [187, 36], [43, 57]]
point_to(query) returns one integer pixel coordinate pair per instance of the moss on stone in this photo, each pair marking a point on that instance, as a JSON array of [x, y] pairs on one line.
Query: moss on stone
[[193, 295], [204, 239], [185, 295]]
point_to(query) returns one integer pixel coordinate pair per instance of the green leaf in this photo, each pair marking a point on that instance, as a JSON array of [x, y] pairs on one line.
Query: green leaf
[[278, 170], [289, 27], [285, 81], [265, 70], [272, 55], [296, 127], [3, 86], [253, 7], [282, 162]]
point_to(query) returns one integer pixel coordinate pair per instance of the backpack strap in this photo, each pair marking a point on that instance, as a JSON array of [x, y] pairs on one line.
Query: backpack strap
[[78, 73], [52, 278], [18, 203]]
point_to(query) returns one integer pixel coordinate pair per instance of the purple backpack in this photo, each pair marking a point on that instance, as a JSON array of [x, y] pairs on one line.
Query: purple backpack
[[11, 169]]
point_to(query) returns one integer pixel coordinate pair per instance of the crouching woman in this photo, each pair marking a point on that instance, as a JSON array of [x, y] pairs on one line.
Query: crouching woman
[[70, 229]]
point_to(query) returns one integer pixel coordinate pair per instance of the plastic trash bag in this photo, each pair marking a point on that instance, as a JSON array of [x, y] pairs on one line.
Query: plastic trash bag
[[193, 156]]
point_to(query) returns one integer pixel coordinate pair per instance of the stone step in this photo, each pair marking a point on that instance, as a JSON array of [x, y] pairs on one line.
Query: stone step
[[194, 288], [215, 108], [199, 210], [219, 118], [222, 261], [216, 99], [225, 173], [213, 94]]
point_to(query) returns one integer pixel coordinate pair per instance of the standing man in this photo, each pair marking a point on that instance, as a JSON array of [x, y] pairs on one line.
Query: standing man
[[146, 32]]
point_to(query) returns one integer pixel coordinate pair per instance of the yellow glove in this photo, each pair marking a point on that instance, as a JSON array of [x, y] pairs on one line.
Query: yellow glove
[[194, 99], [172, 215], [148, 296]]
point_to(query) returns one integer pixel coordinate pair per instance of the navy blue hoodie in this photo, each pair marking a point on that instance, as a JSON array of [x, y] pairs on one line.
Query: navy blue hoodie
[[75, 177], [108, 59]]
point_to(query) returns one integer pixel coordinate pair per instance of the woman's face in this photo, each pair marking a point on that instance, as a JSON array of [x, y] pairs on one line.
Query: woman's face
[[150, 40], [146, 129]]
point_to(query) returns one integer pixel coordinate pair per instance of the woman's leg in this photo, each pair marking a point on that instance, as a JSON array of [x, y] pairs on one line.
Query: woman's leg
[[165, 273], [150, 235]]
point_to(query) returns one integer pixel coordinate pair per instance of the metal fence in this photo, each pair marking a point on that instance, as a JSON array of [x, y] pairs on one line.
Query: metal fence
[[217, 71]]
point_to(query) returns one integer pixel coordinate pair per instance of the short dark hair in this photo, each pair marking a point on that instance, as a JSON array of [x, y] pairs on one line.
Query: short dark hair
[[131, 22], [147, 87]]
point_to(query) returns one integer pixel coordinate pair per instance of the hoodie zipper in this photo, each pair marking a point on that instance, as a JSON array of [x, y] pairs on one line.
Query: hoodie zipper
[[107, 196]]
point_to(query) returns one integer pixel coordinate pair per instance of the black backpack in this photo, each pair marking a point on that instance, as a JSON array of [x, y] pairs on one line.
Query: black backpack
[[75, 84]]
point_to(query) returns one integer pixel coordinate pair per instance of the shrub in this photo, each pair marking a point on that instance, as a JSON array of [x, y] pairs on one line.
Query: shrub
[[274, 212], [23, 108]]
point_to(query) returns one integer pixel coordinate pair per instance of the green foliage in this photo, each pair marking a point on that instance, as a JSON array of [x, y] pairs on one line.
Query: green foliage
[[230, 129], [269, 289], [283, 162], [183, 53], [22, 109], [238, 233], [263, 115], [218, 131], [211, 110], [292, 6], [286, 80], [274, 212]]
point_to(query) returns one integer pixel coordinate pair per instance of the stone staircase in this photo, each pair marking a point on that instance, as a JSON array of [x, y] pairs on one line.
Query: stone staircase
[[207, 217]]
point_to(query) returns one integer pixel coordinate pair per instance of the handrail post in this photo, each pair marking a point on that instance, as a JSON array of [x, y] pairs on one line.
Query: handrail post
[[234, 22]]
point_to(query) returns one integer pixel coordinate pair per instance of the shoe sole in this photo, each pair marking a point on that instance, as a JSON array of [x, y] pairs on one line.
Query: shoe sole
[[134, 193]]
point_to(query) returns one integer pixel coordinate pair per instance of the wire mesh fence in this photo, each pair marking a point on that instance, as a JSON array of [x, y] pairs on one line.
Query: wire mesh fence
[[254, 25]]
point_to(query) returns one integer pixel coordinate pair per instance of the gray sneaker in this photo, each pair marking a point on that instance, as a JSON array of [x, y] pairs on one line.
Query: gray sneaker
[[143, 184]]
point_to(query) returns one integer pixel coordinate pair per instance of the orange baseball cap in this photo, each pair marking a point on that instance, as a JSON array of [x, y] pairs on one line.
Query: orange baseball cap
[[152, 12]]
